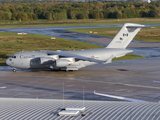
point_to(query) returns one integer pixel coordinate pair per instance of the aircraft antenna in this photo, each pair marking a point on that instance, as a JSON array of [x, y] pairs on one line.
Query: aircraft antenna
[[63, 94], [83, 96]]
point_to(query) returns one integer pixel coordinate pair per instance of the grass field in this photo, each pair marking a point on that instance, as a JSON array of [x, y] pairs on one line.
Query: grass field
[[54, 23], [146, 34], [128, 57]]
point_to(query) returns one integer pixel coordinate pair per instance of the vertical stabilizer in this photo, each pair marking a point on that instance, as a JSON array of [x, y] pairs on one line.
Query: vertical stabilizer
[[125, 35]]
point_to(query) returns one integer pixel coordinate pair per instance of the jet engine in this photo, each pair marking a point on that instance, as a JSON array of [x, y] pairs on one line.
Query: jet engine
[[62, 63], [46, 60]]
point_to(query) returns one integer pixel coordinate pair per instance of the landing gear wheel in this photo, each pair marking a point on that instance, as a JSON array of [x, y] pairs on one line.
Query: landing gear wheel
[[14, 70]]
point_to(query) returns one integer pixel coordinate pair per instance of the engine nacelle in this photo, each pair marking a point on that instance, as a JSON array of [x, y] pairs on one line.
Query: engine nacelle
[[46, 60], [61, 63]]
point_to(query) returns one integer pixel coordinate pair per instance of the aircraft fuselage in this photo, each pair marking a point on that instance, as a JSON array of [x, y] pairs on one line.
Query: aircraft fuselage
[[44, 60]]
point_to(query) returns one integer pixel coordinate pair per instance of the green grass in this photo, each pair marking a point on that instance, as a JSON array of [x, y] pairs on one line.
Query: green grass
[[146, 34], [110, 32], [2, 63], [128, 57], [11, 42], [149, 34], [54, 23]]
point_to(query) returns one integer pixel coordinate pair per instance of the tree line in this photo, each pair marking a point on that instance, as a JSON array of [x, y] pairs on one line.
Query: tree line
[[78, 10], [7, 1]]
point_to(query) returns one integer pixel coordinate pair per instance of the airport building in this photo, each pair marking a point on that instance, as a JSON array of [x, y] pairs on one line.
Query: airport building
[[54, 109]]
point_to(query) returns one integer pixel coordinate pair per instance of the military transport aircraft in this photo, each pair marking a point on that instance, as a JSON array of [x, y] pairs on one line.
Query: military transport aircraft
[[74, 60]]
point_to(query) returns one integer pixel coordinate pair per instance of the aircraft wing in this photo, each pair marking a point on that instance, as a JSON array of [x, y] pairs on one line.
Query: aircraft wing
[[66, 54]]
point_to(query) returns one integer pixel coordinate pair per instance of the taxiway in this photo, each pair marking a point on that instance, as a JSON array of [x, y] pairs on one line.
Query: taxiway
[[129, 78]]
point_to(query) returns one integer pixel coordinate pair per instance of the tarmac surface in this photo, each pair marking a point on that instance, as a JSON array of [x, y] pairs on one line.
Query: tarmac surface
[[138, 79], [131, 78]]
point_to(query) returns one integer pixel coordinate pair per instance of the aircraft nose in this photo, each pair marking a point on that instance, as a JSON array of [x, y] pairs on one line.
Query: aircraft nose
[[8, 61]]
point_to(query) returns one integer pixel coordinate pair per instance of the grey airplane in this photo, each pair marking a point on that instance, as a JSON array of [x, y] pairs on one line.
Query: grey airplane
[[74, 60]]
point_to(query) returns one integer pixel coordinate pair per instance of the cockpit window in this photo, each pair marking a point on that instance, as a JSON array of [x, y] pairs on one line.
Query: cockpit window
[[13, 56]]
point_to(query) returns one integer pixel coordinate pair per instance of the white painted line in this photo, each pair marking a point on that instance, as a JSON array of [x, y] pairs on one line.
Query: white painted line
[[3, 87], [156, 81], [120, 97]]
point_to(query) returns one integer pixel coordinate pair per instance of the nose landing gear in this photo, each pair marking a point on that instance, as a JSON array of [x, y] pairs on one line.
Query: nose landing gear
[[14, 70]]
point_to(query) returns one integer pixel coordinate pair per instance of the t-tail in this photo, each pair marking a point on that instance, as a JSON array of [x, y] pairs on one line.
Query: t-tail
[[125, 35]]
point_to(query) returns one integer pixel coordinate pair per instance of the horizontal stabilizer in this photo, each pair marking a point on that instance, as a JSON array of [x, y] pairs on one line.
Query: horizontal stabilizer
[[138, 27]]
